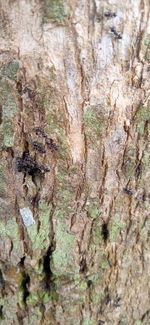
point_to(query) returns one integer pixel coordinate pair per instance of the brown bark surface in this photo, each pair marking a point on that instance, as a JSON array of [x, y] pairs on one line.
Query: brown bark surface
[[75, 158]]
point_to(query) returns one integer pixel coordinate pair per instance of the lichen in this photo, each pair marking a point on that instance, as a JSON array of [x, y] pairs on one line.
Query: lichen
[[40, 238], [7, 101], [62, 259], [10, 228], [138, 322], [3, 182], [129, 163], [10, 69], [88, 321], [114, 228], [93, 208], [54, 10], [142, 116], [95, 123]]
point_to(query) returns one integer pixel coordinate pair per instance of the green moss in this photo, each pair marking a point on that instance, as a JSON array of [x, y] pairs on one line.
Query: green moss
[[3, 181], [63, 255], [10, 228], [32, 299], [146, 159], [129, 162], [65, 194], [10, 69], [40, 239], [93, 208], [7, 101], [95, 123], [105, 265], [138, 322], [115, 229], [9, 310], [142, 116], [54, 10], [96, 233], [147, 47], [88, 321]]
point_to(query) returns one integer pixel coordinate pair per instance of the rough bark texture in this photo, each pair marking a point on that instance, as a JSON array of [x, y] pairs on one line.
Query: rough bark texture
[[74, 204]]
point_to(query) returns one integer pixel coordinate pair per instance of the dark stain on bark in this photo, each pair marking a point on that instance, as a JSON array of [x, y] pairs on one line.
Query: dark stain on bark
[[105, 231]]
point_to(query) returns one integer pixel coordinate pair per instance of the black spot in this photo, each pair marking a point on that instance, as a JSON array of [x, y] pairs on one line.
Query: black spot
[[107, 299], [83, 265], [127, 191], [89, 283], [105, 231], [2, 281], [1, 312], [109, 14], [1, 113], [47, 269], [113, 30], [38, 147], [25, 287], [28, 165], [21, 263], [50, 143]]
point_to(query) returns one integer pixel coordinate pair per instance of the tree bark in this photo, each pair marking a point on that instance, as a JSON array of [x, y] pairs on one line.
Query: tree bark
[[75, 157]]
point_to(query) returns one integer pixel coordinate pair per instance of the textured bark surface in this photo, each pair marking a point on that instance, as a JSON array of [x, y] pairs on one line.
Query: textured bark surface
[[74, 220]]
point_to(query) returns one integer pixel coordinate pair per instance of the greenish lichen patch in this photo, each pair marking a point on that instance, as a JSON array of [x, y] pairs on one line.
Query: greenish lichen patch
[[40, 237], [95, 123], [114, 228], [3, 181], [10, 69], [63, 259], [55, 11], [65, 194], [147, 47], [88, 321], [138, 322], [142, 117], [9, 109], [97, 232], [129, 163], [10, 228], [93, 208], [9, 310]]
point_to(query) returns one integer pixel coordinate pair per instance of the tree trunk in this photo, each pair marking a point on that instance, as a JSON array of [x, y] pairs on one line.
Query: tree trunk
[[75, 157]]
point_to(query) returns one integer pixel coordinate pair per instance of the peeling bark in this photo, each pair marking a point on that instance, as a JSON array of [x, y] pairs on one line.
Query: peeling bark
[[75, 156]]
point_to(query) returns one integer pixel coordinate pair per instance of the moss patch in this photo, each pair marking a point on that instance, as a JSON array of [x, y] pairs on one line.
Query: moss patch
[[142, 116], [11, 229], [9, 108], [54, 10], [10, 69], [93, 208], [129, 162], [114, 229], [40, 238], [63, 260], [95, 123]]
